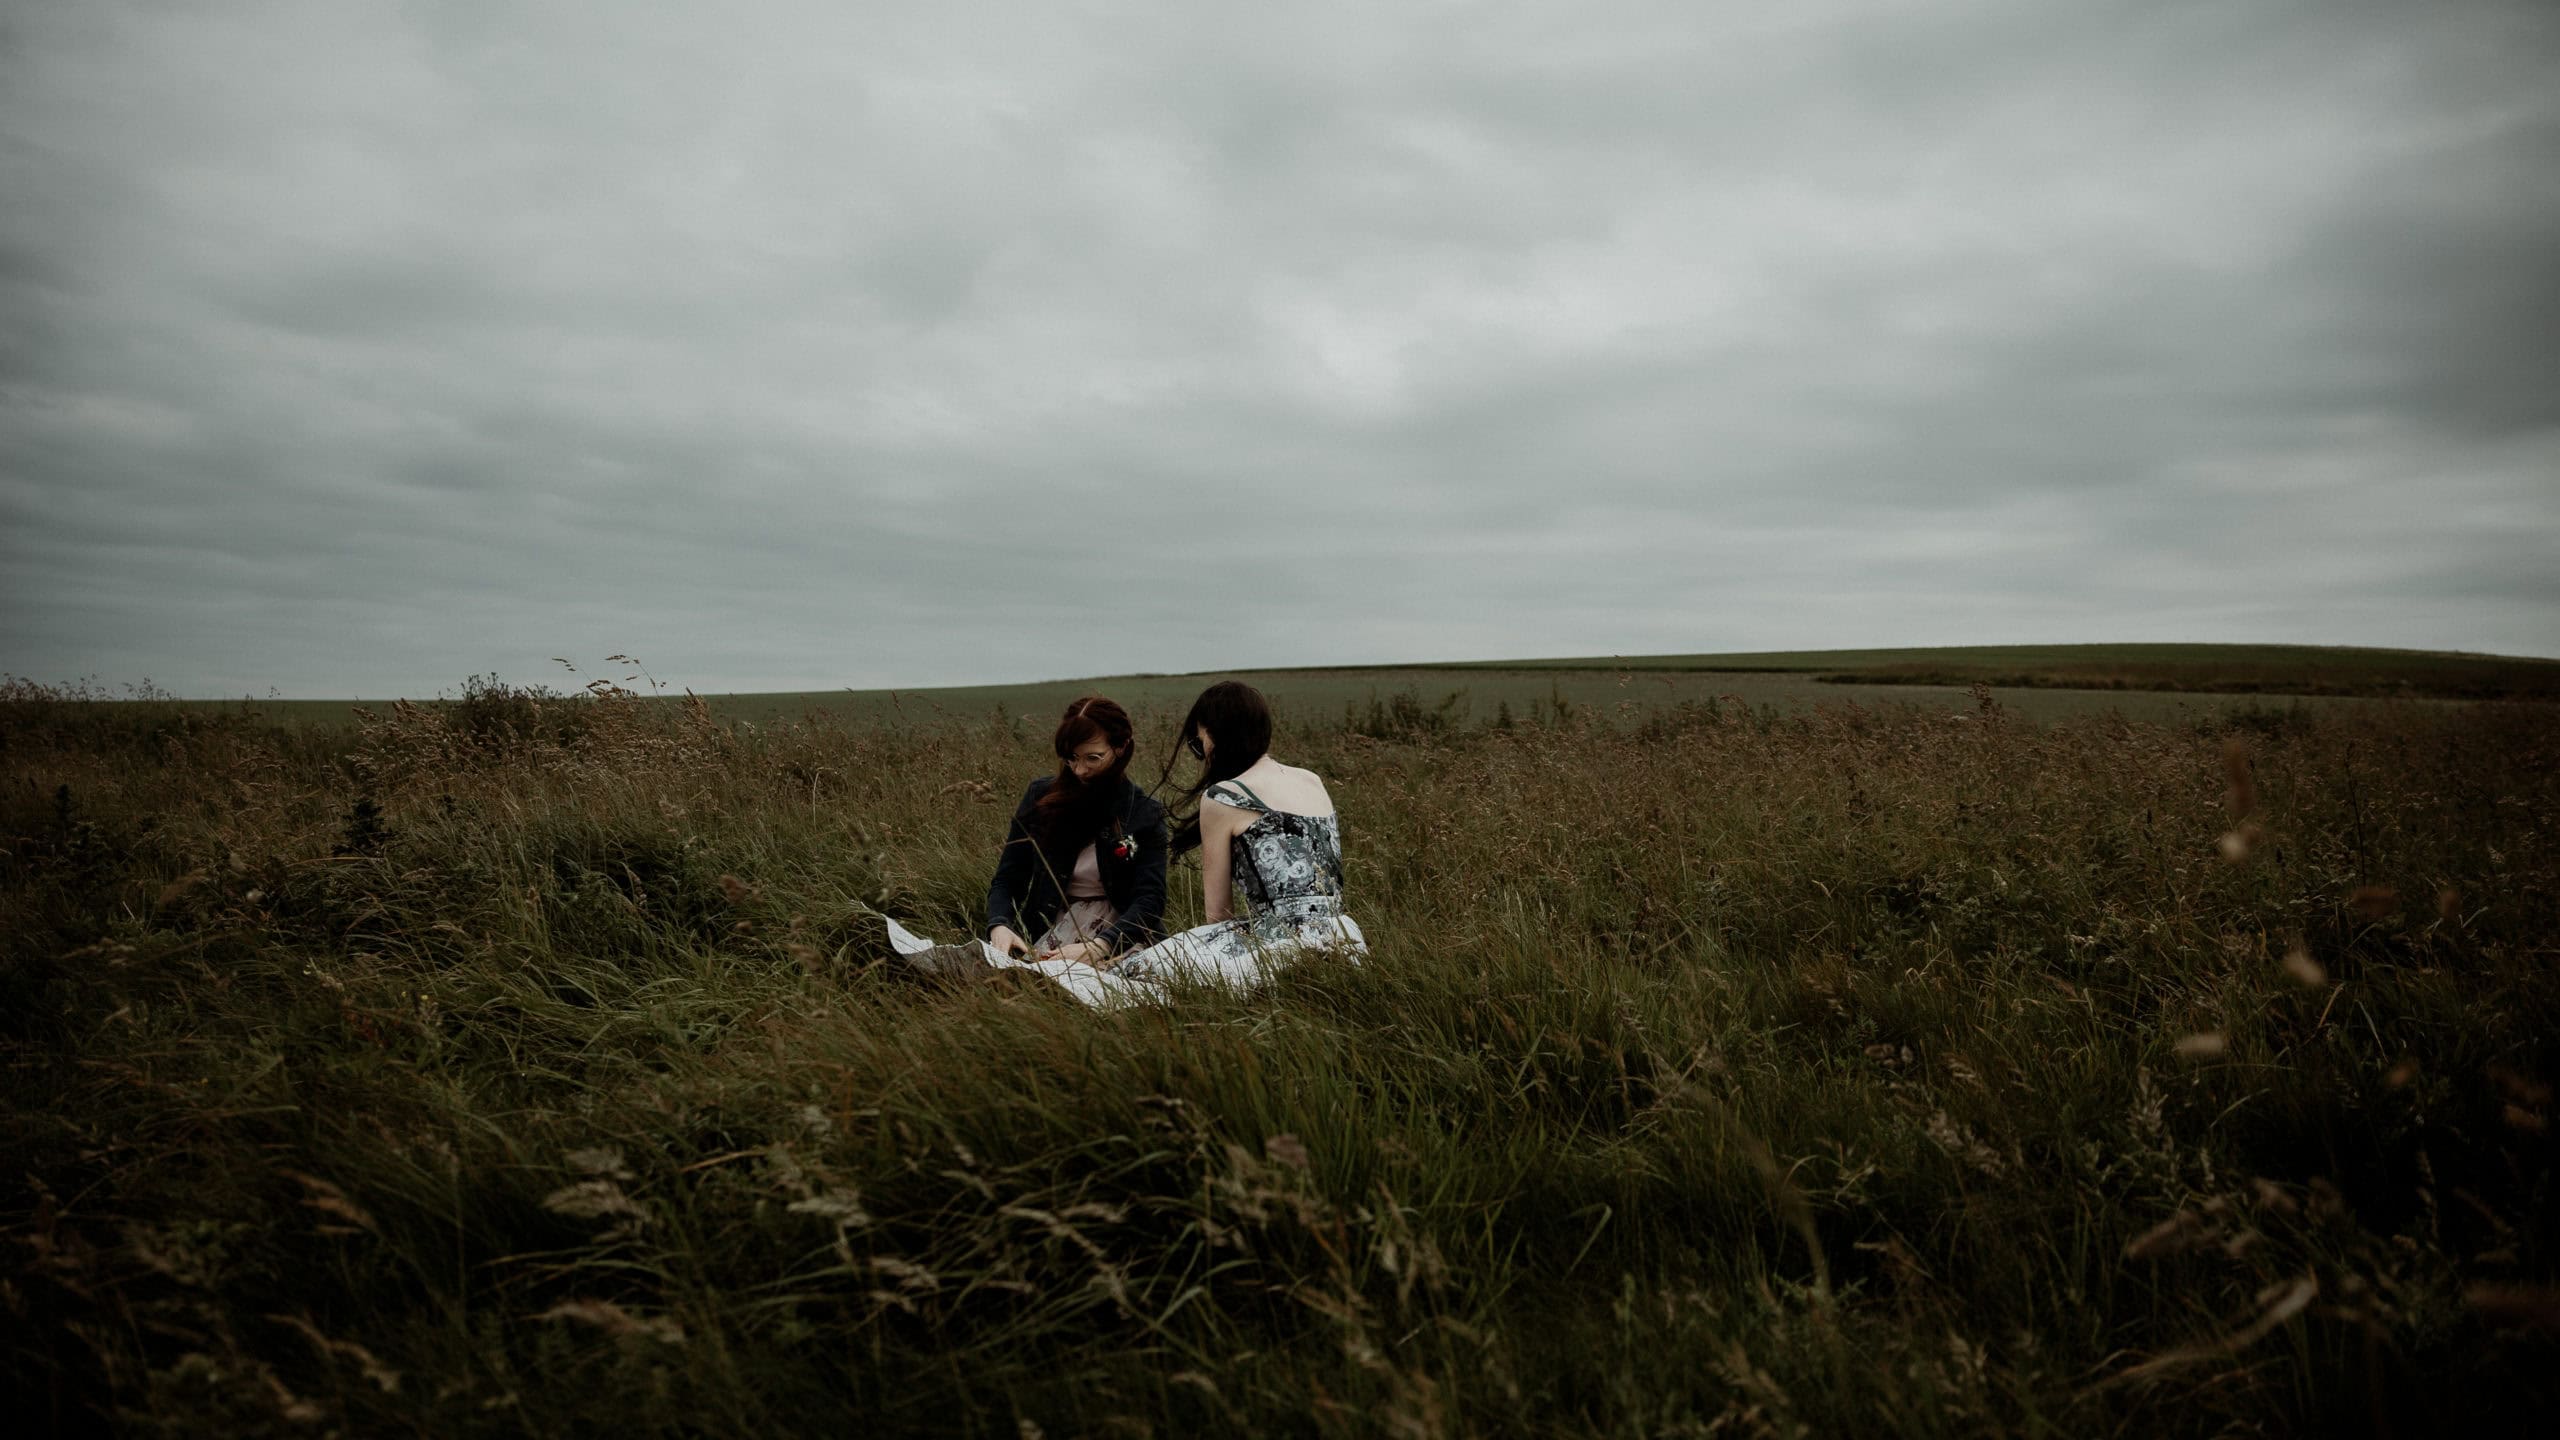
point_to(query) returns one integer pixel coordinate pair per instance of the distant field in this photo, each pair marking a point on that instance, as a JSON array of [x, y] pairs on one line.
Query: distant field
[[1475, 696], [2213, 669], [2140, 682]]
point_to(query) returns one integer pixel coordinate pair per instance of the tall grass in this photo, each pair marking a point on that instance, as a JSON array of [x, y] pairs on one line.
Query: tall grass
[[537, 1069]]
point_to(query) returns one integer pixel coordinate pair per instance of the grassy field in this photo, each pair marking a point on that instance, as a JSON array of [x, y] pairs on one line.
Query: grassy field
[[2171, 683], [1719, 1069]]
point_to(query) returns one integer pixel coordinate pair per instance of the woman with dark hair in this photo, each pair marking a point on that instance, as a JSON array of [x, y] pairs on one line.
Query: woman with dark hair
[[1083, 863], [1262, 827]]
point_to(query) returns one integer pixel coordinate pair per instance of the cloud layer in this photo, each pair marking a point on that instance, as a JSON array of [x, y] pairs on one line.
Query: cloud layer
[[352, 348]]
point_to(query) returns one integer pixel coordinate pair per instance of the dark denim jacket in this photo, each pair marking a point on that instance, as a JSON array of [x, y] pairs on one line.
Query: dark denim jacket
[[1029, 891]]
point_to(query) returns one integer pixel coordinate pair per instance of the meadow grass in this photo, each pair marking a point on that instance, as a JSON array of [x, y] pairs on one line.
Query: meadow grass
[[536, 1067]]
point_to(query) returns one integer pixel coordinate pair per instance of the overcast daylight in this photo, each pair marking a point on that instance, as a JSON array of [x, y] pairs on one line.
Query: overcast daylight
[[353, 348]]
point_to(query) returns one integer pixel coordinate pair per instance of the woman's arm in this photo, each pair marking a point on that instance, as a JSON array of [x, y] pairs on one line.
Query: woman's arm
[[1219, 824], [1013, 875]]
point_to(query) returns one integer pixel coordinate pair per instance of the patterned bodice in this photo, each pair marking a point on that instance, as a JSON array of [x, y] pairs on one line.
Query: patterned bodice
[[1283, 857]]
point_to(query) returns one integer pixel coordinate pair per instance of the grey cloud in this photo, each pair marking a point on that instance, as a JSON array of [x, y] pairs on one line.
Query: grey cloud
[[893, 344]]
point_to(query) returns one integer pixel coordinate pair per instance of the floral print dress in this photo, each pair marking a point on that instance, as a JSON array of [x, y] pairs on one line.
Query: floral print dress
[[1289, 867]]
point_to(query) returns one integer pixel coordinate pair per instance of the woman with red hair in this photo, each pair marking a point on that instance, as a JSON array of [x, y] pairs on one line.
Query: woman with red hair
[[1083, 864], [1082, 867]]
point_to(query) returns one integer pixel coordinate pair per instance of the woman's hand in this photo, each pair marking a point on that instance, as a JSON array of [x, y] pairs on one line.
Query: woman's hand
[[1083, 952], [1006, 942]]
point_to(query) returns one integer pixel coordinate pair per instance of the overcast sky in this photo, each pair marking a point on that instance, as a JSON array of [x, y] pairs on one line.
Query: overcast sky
[[354, 348]]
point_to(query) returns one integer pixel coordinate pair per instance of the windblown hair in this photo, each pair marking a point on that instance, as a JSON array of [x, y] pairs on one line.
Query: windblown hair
[[1073, 811], [1238, 720]]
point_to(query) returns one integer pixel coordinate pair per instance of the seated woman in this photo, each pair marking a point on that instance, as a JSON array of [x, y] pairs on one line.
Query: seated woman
[[1082, 866], [1263, 827]]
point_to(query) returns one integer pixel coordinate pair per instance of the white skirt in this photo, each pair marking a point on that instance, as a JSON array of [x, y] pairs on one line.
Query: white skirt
[[1247, 952], [1231, 952]]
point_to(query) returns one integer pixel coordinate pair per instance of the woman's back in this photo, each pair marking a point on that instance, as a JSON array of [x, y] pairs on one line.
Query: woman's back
[[1287, 787], [1284, 854], [1264, 829]]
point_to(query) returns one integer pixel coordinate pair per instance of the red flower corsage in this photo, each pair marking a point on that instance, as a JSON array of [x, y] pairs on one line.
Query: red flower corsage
[[1123, 848]]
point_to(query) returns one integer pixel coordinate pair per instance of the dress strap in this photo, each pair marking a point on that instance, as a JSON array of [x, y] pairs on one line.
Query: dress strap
[[1250, 801]]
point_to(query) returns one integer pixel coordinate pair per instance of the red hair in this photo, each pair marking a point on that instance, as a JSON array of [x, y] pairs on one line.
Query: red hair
[[1076, 810]]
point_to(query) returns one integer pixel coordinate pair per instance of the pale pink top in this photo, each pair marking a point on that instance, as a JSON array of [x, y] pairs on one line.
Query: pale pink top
[[1086, 882]]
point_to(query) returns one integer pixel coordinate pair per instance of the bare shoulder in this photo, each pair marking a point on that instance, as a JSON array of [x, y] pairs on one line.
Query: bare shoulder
[[1316, 783], [1292, 788], [1222, 810]]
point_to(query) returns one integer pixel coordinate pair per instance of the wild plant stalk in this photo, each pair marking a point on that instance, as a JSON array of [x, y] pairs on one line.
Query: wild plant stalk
[[533, 1066]]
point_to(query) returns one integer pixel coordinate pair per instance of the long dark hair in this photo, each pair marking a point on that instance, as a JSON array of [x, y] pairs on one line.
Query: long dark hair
[[1238, 720], [1072, 811]]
